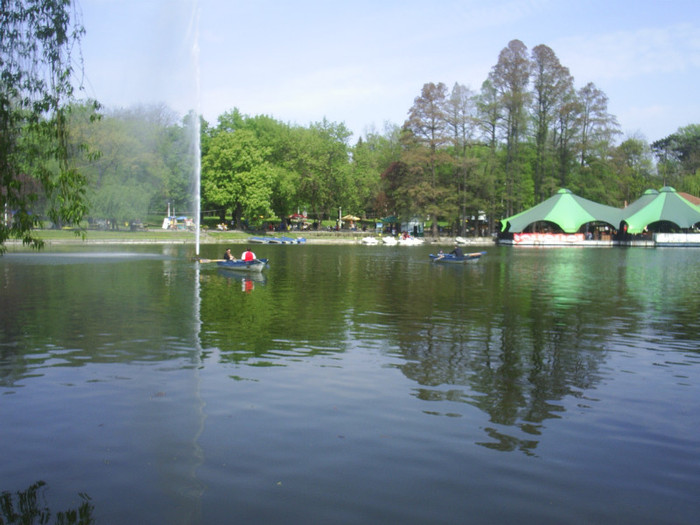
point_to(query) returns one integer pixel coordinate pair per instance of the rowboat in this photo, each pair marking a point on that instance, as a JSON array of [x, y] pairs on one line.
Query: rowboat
[[256, 265], [450, 258]]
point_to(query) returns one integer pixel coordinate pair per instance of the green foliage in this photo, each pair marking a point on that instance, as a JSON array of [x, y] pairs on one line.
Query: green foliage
[[460, 154], [678, 155], [633, 168], [136, 160], [236, 174], [37, 39]]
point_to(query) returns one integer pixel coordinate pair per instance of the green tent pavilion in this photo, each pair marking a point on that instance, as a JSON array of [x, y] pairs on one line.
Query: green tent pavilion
[[667, 205], [566, 210], [648, 196]]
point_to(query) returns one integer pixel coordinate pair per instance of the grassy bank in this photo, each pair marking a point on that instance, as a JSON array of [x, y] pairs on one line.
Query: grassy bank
[[159, 236]]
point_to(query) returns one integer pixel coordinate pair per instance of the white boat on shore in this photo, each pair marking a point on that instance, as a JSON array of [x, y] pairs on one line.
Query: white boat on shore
[[410, 241]]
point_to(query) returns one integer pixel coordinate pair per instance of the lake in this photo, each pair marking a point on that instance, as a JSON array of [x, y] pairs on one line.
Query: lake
[[351, 384]]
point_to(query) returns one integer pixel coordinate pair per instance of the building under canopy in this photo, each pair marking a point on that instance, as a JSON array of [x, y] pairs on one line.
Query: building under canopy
[[566, 210], [665, 205]]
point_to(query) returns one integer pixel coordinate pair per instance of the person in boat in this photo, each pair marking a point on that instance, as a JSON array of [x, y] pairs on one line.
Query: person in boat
[[228, 256], [457, 252], [248, 255]]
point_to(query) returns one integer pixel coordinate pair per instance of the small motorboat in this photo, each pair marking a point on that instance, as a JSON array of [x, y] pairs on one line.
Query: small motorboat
[[256, 265], [450, 258], [389, 241], [369, 241]]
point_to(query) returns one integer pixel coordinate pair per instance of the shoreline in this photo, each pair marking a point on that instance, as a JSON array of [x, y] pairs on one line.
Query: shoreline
[[53, 237]]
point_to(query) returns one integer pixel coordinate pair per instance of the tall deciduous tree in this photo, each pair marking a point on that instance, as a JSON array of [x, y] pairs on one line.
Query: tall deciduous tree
[[597, 126], [322, 161], [236, 175], [550, 83], [37, 40], [510, 77], [564, 136], [460, 112], [490, 168], [632, 161], [427, 126]]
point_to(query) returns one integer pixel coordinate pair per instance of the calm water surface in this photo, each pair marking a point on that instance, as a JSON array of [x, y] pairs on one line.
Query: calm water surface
[[352, 384]]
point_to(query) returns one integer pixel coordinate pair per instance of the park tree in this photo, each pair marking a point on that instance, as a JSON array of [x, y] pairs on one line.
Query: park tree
[[38, 41], [371, 159], [510, 78], [564, 136], [138, 159], [489, 115], [426, 139], [593, 175], [597, 127], [551, 82], [634, 168], [321, 158], [678, 156], [236, 175], [460, 114], [277, 139]]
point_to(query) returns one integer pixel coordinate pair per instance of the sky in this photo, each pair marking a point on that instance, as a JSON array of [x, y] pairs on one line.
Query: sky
[[364, 62]]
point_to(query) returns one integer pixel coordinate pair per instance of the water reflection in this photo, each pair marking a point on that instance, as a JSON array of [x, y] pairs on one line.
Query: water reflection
[[248, 280], [74, 314], [209, 395], [28, 506]]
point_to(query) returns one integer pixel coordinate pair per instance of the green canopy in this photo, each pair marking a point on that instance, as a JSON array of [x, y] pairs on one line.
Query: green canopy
[[666, 205], [566, 210], [648, 196]]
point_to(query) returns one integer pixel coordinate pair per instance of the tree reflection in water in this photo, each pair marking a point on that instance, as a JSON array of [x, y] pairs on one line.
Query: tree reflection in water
[[26, 507]]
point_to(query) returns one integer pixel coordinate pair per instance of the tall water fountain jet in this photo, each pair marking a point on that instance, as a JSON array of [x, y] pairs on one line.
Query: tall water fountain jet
[[196, 128]]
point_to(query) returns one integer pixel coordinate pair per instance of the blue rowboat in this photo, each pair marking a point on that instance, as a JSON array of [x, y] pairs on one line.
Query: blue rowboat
[[277, 240], [450, 258], [256, 265]]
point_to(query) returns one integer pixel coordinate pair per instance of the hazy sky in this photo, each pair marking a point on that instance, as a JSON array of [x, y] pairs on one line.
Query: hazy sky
[[363, 62]]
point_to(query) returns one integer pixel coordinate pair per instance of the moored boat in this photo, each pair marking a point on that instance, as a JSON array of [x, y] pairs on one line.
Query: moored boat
[[450, 258], [410, 241], [292, 240], [277, 240], [259, 240]]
